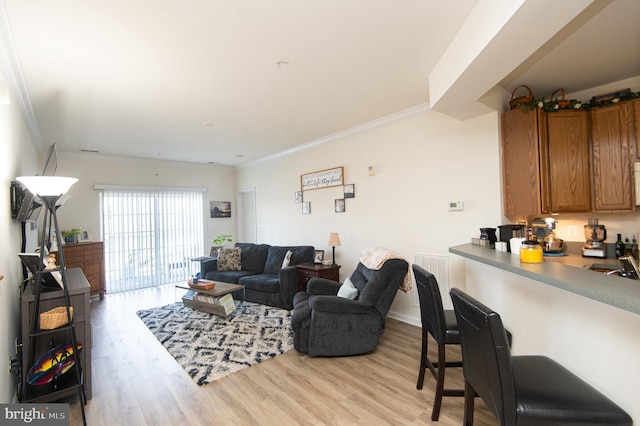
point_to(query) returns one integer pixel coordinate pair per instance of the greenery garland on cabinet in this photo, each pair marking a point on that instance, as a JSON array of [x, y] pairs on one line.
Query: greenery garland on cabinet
[[596, 101]]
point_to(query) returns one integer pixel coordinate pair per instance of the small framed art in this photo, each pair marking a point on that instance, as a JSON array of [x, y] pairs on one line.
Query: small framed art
[[340, 205], [220, 209], [349, 191], [306, 207], [298, 196], [318, 256]]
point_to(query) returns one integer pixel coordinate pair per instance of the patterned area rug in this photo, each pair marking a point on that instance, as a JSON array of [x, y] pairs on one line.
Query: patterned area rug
[[210, 347]]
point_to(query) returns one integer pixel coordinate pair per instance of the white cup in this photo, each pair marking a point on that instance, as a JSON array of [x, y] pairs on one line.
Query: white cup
[[501, 246], [515, 244]]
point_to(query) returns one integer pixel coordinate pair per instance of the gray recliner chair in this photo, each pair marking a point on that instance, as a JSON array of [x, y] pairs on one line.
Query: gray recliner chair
[[325, 324]]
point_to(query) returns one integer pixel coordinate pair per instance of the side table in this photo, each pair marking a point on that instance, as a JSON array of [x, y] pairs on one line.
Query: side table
[[306, 271]]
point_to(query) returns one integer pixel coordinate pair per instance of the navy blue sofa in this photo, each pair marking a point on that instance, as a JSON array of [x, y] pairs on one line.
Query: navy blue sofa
[[265, 280]]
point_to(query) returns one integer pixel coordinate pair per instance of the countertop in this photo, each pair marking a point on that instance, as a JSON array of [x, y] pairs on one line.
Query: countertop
[[565, 272]]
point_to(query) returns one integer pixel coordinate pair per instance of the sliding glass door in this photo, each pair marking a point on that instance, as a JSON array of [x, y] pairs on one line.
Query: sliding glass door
[[150, 237]]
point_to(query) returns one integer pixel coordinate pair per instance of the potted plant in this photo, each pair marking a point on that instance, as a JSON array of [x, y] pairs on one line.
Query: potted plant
[[218, 243], [71, 236]]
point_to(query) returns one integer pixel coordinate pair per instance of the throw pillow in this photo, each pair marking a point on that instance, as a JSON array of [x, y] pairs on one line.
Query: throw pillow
[[348, 290], [229, 259], [287, 259]]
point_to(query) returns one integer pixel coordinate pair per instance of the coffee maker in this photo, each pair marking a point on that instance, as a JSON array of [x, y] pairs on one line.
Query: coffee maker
[[507, 232], [595, 235]]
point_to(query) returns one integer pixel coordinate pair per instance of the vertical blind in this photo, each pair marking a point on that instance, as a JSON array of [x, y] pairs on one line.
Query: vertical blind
[[150, 237]]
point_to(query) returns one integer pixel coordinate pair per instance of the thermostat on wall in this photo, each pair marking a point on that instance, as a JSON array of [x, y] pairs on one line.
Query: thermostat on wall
[[456, 206]]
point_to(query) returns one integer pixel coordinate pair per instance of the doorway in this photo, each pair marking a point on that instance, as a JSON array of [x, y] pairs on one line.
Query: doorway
[[247, 229]]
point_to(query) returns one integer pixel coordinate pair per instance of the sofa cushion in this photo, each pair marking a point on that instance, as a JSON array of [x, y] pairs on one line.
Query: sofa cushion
[[232, 277], [301, 254], [253, 256], [275, 257], [229, 259], [267, 283]]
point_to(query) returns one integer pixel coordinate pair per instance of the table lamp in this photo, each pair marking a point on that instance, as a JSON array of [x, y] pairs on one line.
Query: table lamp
[[334, 241]]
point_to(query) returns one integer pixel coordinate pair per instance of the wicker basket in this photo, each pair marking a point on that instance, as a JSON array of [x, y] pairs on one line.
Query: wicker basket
[[562, 103], [55, 318], [514, 102]]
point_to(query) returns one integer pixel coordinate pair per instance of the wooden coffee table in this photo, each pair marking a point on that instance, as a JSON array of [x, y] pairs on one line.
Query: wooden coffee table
[[210, 300]]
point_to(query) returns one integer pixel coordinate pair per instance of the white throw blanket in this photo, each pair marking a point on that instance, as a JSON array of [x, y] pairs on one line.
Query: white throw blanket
[[374, 258]]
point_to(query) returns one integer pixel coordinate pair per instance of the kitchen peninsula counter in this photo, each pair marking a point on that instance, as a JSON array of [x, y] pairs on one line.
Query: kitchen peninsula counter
[[558, 308], [566, 272]]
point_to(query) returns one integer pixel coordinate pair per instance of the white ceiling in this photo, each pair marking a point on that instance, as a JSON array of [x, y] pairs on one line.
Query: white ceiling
[[235, 81]]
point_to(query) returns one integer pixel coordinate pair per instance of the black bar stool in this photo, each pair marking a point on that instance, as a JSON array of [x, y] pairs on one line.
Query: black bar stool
[[522, 390], [441, 325]]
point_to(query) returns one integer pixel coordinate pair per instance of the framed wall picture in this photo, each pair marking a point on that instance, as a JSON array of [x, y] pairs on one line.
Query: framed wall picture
[[349, 190], [306, 207], [340, 205], [318, 256], [221, 209], [298, 196]]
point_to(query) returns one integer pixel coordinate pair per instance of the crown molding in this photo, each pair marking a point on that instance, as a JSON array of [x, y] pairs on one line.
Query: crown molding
[[383, 121], [15, 78], [138, 160]]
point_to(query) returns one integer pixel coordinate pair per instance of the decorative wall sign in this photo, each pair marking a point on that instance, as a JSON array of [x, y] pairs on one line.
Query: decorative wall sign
[[322, 179]]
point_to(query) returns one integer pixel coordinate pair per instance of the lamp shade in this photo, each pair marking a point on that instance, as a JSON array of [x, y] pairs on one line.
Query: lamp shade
[[47, 185], [334, 240]]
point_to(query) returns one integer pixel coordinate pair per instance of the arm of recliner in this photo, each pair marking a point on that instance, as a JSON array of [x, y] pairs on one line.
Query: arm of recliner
[[288, 285], [323, 286], [208, 266], [338, 305]]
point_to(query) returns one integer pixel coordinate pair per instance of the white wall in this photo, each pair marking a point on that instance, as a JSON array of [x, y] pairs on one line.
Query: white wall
[[421, 162], [19, 157], [82, 210]]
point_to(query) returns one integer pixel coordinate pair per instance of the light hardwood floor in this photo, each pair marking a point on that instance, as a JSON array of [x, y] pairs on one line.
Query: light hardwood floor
[[137, 382]]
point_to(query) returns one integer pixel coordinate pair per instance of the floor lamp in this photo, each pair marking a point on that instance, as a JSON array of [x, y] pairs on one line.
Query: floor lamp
[[49, 189]]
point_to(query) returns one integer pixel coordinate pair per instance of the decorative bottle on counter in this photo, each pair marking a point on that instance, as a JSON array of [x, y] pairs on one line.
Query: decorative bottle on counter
[[627, 246], [619, 247]]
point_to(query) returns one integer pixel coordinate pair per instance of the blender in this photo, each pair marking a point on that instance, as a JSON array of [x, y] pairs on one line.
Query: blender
[[595, 235]]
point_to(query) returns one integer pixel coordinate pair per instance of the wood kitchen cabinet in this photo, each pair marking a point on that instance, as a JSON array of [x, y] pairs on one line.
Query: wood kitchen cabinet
[[613, 145], [636, 124], [88, 256], [522, 181], [545, 162], [569, 176]]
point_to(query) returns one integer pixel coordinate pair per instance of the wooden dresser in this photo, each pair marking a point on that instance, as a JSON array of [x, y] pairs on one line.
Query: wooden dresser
[[88, 256]]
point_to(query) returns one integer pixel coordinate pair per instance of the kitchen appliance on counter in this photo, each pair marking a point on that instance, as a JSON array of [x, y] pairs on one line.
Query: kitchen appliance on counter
[[488, 234], [507, 232], [595, 235], [544, 231]]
